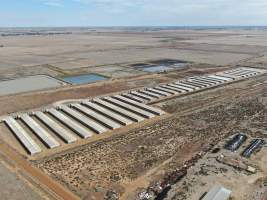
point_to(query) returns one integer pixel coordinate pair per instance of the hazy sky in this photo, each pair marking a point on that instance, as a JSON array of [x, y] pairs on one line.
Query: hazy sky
[[132, 12]]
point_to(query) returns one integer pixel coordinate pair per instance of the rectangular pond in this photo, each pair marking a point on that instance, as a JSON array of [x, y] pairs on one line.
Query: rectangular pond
[[28, 84], [84, 79]]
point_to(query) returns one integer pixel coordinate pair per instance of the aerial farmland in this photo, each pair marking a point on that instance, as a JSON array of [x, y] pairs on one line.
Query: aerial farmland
[[133, 113]]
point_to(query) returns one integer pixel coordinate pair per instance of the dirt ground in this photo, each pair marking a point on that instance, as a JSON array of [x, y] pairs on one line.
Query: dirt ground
[[208, 172], [110, 52], [16, 182], [23, 189], [124, 164], [135, 159]]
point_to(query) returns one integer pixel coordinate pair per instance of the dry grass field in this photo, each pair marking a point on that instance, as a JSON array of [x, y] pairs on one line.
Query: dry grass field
[[103, 49]]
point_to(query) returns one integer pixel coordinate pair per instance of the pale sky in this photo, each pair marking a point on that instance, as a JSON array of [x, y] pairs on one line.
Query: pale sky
[[132, 12]]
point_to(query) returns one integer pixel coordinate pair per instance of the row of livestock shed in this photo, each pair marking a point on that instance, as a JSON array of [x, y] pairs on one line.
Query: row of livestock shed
[[68, 122], [191, 84]]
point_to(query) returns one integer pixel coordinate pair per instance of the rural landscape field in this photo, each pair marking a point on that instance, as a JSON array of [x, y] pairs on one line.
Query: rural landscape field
[[133, 112]]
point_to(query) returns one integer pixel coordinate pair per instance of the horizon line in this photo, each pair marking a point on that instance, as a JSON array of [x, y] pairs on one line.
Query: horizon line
[[133, 26]]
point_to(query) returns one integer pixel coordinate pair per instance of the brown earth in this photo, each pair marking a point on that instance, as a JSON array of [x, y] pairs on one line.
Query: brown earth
[[120, 160], [131, 160]]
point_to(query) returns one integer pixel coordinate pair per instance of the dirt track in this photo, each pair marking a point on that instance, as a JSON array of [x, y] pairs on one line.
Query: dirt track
[[45, 181]]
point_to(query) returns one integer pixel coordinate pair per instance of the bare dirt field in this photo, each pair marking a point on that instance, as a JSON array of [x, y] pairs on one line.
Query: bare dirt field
[[20, 192], [99, 50], [208, 172], [16, 183]]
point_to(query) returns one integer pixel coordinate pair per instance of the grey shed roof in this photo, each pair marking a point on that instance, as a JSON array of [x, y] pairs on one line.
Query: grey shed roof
[[217, 193]]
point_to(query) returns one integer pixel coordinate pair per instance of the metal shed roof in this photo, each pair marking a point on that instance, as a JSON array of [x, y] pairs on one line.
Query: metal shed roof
[[217, 193]]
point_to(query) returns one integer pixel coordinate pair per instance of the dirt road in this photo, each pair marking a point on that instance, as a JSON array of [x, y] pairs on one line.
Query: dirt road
[[45, 181]]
